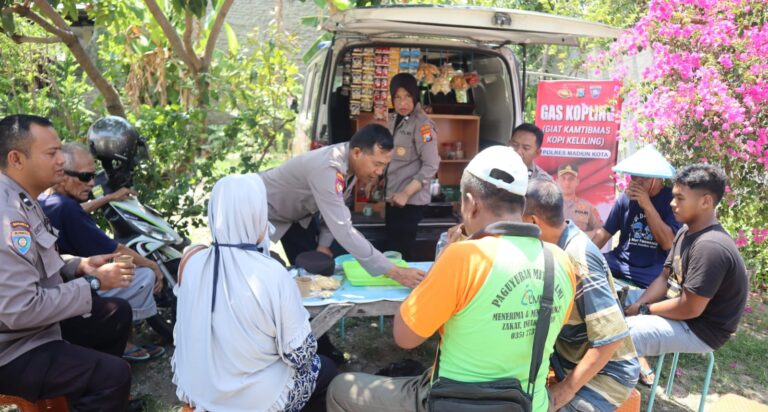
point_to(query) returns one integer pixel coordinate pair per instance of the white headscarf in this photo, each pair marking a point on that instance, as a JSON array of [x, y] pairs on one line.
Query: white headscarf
[[232, 358]]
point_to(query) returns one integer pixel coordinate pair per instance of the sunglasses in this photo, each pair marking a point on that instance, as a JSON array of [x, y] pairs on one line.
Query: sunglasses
[[84, 177]]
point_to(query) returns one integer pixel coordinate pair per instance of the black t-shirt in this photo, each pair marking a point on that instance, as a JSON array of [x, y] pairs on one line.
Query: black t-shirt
[[708, 264]]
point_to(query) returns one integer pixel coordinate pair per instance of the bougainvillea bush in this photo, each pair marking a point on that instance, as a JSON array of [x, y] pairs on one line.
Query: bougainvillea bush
[[704, 98]]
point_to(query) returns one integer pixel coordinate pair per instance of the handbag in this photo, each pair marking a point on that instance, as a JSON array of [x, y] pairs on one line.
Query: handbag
[[447, 395]]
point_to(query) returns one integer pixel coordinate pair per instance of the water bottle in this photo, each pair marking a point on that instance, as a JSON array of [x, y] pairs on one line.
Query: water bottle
[[442, 242]]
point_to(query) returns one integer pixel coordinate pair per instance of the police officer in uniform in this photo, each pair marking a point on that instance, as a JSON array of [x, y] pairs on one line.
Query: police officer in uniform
[[38, 289], [576, 209], [317, 181], [414, 163]]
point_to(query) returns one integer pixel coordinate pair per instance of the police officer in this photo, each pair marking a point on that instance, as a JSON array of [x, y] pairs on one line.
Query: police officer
[[527, 139], [38, 289], [576, 209], [414, 164], [317, 182]]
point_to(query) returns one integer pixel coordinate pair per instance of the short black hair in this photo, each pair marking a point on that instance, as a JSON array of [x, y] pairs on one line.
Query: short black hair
[[14, 134], [498, 200], [545, 201], [531, 128], [703, 176], [371, 136]]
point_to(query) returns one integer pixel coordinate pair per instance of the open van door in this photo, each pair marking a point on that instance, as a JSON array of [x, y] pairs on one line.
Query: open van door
[[487, 28], [479, 25]]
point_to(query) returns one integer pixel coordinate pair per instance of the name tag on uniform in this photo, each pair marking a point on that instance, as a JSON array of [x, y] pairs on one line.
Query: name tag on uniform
[[21, 239]]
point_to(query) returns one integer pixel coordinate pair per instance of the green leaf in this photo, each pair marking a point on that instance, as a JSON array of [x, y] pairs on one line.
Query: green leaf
[[231, 39], [320, 3], [341, 4], [197, 7], [179, 5], [310, 21], [313, 49], [9, 24]]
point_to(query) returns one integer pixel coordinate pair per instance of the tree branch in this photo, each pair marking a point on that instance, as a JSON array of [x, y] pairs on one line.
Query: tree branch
[[172, 35], [111, 98], [51, 13], [215, 31], [43, 40], [47, 26], [188, 29]]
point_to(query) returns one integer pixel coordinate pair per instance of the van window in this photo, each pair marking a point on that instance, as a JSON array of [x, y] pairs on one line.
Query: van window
[[305, 124]]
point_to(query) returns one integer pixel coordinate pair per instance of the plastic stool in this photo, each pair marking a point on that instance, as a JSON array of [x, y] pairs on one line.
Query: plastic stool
[[671, 379], [53, 405]]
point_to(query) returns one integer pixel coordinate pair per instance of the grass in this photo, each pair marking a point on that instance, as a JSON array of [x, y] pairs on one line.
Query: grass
[[739, 365]]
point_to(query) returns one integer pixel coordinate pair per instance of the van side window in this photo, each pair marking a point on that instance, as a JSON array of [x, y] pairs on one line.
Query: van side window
[[308, 91]]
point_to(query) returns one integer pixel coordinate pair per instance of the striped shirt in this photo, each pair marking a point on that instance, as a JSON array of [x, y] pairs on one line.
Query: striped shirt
[[596, 321]]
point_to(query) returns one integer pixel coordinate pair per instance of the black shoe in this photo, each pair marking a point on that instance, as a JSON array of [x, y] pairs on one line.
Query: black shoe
[[325, 347], [136, 405]]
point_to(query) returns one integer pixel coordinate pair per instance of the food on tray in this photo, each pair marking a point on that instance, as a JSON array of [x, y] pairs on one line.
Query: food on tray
[[327, 283]]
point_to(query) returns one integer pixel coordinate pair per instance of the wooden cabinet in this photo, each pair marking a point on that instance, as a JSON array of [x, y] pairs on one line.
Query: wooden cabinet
[[451, 130]]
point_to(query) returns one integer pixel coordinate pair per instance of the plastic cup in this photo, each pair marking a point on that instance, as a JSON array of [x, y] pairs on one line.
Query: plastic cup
[[124, 259], [305, 285], [393, 255]]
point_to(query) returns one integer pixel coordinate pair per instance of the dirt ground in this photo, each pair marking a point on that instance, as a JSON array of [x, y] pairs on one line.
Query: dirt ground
[[369, 351]]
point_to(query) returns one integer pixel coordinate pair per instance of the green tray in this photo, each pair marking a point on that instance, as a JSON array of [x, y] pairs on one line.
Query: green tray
[[358, 276]]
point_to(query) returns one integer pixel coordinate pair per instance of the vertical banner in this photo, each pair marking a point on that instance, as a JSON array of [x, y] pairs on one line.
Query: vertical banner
[[580, 120]]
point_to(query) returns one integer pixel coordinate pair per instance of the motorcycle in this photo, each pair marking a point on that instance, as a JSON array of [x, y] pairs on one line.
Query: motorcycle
[[144, 230], [115, 143]]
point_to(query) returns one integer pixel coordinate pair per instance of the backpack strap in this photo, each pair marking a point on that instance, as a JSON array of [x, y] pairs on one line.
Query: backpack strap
[[542, 324], [185, 258]]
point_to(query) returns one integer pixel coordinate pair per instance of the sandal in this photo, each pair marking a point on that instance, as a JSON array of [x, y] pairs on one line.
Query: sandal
[[135, 354], [647, 377], [154, 351]]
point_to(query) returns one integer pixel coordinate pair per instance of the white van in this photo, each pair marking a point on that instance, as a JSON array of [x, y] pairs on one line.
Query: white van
[[466, 39]]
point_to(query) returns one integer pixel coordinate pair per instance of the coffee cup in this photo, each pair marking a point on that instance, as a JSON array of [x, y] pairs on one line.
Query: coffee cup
[[305, 285], [125, 259]]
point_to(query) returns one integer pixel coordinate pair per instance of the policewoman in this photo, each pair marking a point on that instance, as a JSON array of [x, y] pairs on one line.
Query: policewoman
[[414, 163]]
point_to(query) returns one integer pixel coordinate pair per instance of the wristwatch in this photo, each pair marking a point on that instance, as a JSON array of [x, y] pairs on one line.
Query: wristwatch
[[93, 281], [644, 309]]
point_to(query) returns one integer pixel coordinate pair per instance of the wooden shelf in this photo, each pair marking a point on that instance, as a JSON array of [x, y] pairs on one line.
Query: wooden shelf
[[451, 129]]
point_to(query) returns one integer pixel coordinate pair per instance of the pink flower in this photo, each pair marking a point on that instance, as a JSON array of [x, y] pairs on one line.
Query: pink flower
[[725, 60], [741, 240]]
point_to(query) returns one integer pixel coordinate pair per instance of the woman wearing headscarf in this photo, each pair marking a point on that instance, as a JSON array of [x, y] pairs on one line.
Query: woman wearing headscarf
[[243, 340], [414, 164]]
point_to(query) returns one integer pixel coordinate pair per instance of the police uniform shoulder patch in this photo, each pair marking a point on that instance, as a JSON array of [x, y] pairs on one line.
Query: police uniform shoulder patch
[[339, 184], [401, 151], [426, 133], [21, 238]]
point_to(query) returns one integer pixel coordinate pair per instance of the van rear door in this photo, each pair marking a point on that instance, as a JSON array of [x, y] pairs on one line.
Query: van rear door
[[479, 25], [484, 28]]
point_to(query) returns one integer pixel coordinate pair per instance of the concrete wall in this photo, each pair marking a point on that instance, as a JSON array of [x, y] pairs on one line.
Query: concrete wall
[[246, 15]]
